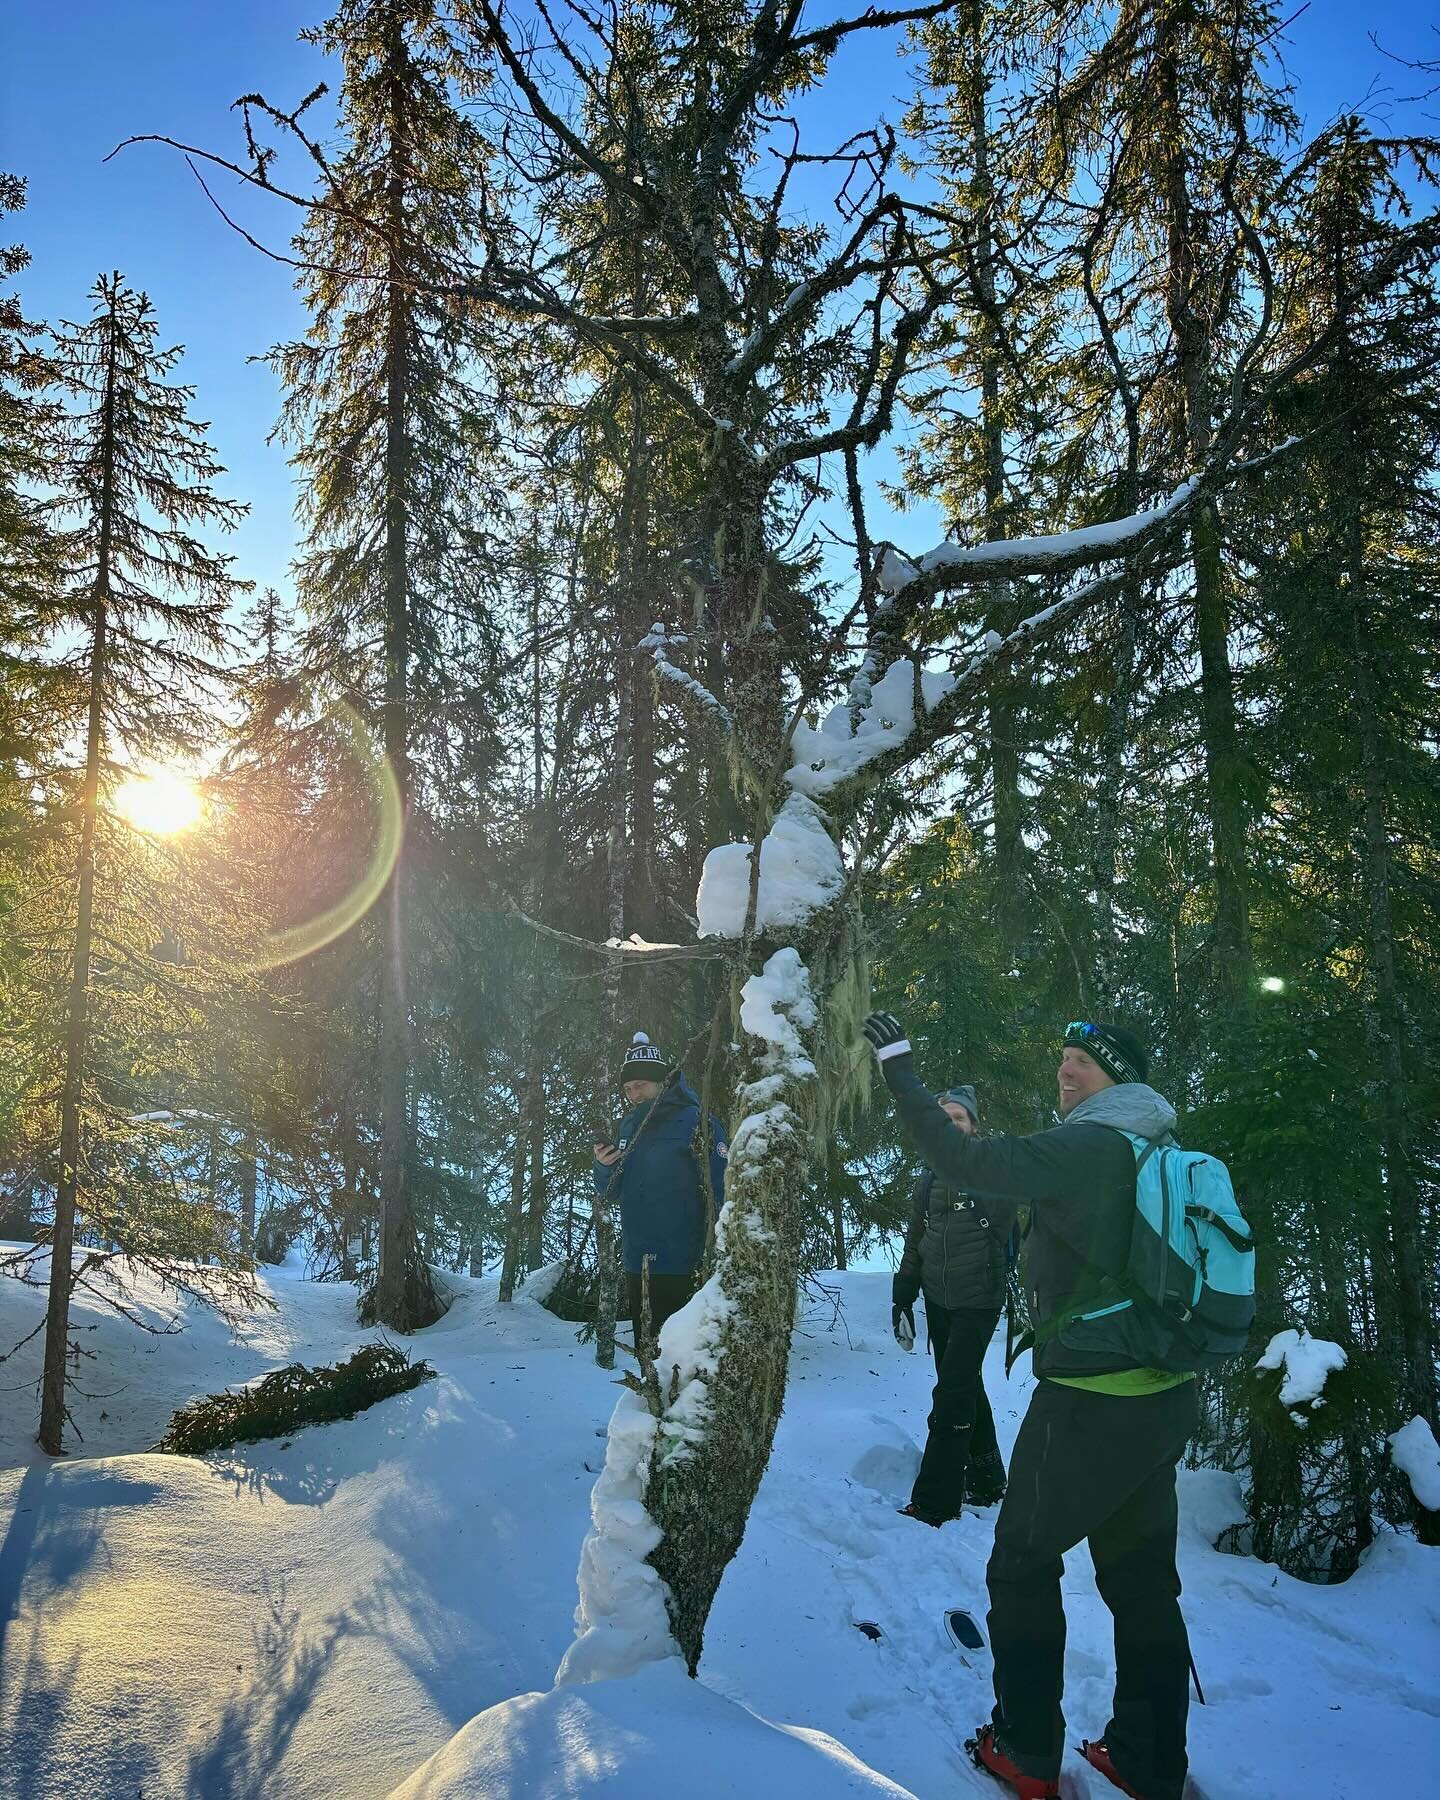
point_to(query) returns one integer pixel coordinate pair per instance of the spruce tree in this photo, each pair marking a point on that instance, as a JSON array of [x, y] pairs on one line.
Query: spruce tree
[[147, 603], [1346, 574], [390, 440]]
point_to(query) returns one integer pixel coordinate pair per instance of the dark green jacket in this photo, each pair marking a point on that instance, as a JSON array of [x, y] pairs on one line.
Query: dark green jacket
[[1079, 1182]]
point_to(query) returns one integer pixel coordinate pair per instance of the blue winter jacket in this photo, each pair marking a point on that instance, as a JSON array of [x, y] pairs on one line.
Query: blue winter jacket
[[657, 1183]]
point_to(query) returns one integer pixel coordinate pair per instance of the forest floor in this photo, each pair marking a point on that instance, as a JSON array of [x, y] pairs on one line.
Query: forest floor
[[316, 1617]]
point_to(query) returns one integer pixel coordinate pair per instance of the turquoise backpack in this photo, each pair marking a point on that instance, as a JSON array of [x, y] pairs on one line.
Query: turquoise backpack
[[1190, 1274]]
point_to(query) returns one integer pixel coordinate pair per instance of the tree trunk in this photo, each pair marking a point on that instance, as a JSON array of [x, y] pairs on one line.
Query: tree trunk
[[607, 1298], [1105, 852], [249, 1188], [515, 1210], [404, 1295], [699, 1493], [53, 1412], [630, 812], [1224, 769], [701, 1498], [535, 1203]]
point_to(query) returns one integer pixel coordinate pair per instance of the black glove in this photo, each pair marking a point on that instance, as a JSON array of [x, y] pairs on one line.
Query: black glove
[[886, 1036], [902, 1323]]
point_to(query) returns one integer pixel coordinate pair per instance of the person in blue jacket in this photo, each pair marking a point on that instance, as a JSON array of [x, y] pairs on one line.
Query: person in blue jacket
[[652, 1173]]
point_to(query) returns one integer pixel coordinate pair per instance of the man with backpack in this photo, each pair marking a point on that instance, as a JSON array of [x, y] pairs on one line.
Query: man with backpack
[[652, 1173], [1113, 1409], [956, 1254]]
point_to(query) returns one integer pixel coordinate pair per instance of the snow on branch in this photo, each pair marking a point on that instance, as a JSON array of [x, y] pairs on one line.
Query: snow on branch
[[1417, 1456], [955, 565], [878, 716], [800, 871], [618, 949], [660, 642], [1306, 1362], [772, 1005], [871, 738]]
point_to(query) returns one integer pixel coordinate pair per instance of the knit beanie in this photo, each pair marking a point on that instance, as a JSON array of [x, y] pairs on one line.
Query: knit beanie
[[1118, 1051], [963, 1096], [644, 1061]]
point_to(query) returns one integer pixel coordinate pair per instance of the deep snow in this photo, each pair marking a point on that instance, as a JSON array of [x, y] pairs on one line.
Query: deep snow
[[318, 1617]]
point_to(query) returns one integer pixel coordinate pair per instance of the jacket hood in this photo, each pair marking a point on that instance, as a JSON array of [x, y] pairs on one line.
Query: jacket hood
[[676, 1094], [1129, 1107]]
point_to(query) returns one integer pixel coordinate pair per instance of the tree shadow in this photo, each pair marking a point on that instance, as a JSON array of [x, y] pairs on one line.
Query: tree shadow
[[251, 1739], [56, 1529], [53, 1539]]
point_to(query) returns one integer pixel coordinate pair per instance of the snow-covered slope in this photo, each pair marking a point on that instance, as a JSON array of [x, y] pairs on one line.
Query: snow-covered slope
[[309, 1618], [318, 1618]]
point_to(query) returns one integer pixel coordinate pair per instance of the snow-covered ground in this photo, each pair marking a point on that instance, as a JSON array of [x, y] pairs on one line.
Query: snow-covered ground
[[319, 1617]]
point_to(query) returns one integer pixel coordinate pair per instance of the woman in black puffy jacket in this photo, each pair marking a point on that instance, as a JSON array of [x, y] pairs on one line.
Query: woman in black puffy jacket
[[956, 1255]]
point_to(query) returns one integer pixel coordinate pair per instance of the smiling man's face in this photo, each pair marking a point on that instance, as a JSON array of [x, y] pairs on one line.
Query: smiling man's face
[[1079, 1077]]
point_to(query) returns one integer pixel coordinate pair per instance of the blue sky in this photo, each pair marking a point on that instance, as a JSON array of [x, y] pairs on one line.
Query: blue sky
[[76, 79]]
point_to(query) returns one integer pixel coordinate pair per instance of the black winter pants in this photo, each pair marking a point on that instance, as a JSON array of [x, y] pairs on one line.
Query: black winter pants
[[1101, 1467], [962, 1427], [668, 1293]]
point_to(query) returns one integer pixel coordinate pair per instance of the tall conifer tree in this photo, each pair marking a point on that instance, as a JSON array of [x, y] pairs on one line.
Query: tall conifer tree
[[148, 602], [390, 445]]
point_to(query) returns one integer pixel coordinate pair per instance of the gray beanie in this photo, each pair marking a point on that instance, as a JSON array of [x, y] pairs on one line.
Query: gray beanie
[[963, 1096]]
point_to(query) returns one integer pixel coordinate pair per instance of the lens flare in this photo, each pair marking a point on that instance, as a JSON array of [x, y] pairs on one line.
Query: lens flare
[[160, 803], [297, 941]]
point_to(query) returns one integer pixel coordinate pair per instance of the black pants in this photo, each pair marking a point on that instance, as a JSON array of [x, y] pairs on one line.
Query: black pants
[[668, 1293], [962, 1427], [1101, 1467]]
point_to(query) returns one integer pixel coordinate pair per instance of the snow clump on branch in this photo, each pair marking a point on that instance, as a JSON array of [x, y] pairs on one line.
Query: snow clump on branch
[[774, 1002], [1307, 1362], [660, 643], [689, 1354], [823, 759], [775, 1006], [800, 871], [1417, 1456]]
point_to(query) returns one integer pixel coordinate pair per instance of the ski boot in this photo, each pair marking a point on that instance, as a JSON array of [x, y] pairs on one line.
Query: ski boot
[[986, 1754], [1098, 1757]]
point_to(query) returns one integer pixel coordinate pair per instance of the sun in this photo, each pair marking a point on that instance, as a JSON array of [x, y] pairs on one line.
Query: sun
[[161, 803]]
